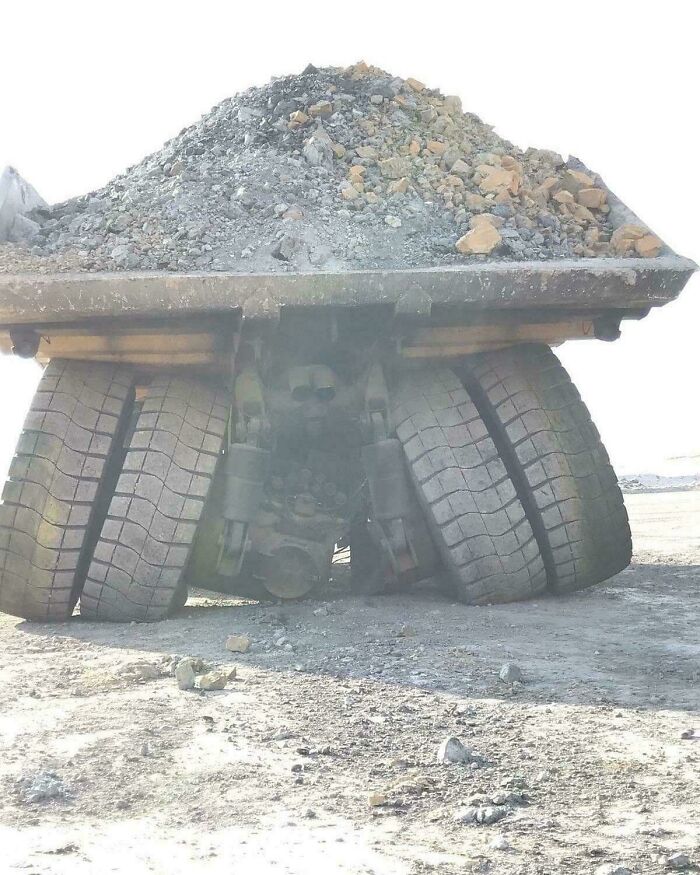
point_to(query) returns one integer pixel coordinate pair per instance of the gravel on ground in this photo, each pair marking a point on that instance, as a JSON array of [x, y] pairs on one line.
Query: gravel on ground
[[387, 735]]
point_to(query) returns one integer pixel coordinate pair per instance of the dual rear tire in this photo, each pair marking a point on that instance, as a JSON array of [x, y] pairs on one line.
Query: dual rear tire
[[514, 480], [559, 464], [93, 513], [468, 498]]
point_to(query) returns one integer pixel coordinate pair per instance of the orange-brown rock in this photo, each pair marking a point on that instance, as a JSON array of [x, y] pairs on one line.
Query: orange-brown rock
[[414, 84], [648, 246], [593, 198], [487, 219], [575, 180], [436, 147], [623, 238], [398, 186], [298, 118], [497, 178], [479, 241]]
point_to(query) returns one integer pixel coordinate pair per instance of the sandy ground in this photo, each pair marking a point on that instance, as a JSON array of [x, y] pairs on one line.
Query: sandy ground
[[343, 698]]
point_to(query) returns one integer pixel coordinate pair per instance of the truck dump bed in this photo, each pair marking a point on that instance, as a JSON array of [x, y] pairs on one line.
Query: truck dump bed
[[626, 284], [188, 319]]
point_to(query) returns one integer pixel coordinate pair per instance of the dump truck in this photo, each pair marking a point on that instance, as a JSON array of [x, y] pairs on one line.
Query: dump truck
[[231, 431]]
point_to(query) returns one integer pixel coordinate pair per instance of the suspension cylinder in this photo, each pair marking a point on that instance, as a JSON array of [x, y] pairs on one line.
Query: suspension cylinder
[[389, 488], [247, 469]]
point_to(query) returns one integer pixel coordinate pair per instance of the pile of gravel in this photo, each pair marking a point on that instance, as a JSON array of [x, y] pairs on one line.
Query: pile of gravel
[[332, 169]]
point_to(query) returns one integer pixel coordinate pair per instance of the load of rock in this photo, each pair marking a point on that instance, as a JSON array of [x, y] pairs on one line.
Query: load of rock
[[333, 169]]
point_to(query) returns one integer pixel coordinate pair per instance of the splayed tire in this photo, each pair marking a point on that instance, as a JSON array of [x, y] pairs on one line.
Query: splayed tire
[[476, 519], [139, 563], [557, 461], [59, 485]]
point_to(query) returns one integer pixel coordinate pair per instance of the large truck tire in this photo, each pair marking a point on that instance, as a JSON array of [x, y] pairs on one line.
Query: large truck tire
[[557, 461], [138, 568], [471, 506], [59, 486]]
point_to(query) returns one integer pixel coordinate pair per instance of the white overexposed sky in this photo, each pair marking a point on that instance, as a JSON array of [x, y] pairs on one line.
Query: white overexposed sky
[[90, 88]]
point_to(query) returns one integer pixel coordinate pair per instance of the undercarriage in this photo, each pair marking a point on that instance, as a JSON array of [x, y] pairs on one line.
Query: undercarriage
[[234, 433]]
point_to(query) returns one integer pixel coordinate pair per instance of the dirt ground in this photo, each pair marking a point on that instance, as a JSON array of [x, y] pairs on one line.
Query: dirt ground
[[342, 698]]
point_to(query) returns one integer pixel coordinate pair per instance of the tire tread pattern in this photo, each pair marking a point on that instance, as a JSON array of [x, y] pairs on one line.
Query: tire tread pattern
[[561, 457], [471, 506], [55, 486], [138, 567]]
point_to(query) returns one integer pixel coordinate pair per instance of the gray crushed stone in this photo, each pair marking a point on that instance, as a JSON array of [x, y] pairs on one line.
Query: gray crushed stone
[[41, 787], [333, 169]]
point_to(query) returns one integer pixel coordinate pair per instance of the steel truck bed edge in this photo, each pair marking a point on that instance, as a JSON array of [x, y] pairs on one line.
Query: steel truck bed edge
[[580, 284]]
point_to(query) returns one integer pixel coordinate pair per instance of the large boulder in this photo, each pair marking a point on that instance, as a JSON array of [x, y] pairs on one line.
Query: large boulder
[[17, 199]]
